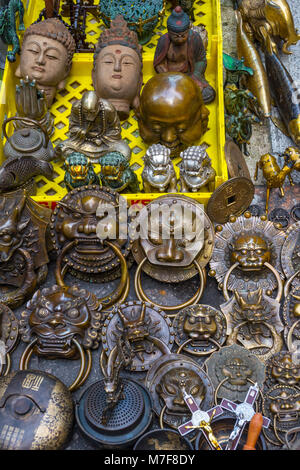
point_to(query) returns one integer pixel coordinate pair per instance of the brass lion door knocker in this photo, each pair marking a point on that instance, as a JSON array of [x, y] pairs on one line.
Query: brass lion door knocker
[[290, 257], [9, 329], [85, 230], [62, 323], [175, 242], [246, 256]]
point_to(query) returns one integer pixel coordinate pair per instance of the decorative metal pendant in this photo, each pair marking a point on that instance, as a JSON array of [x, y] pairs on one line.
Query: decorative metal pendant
[[75, 226], [232, 370], [170, 378], [232, 198], [140, 327], [246, 256], [36, 411], [9, 329], [23, 250], [290, 256], [167, 254], [291, 318], [253, 321], [281, 404], [199, 330], [62, 323]]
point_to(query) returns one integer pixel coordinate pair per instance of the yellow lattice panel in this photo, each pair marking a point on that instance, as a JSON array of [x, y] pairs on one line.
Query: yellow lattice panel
[[207, 13]]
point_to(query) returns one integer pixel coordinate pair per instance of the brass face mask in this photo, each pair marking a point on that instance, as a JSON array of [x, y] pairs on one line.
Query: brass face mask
[[176, 241]]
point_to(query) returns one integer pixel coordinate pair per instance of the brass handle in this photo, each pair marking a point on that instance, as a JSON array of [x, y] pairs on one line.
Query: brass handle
[[85, 366], [5, 368], [143, 297], [267, 265], [288, 283]]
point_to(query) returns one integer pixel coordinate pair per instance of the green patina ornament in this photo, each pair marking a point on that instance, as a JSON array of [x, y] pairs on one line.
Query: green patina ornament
[[117, 174], [8, 28], [235, 69], [79, 171]]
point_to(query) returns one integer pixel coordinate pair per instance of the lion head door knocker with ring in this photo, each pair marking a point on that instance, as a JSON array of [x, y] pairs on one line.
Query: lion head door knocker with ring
[[85, 230], [169, 380], [246, 256], [139, 329], [176, 240], [232, 370], [199, 330], [254, 322], [9, 329], [23, 250], [62, 323], [282, 368], [290, 257], [291, 319]]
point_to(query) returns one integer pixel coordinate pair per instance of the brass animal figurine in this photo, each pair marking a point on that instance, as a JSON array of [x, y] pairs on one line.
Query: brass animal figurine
[[274, 175]]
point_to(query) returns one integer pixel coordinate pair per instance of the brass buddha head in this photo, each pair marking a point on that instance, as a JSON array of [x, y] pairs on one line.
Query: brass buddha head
[[172, 111]]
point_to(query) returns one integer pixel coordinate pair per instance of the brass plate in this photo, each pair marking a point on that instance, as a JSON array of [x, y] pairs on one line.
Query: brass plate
[[235, 160], [290, 253], [157, 324], [231, 198]]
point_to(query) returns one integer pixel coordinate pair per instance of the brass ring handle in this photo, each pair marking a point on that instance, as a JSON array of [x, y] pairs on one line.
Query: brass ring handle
[[118, 295], [225, 380], [276, 431], [201, 353], [289, 340], [288, 283], [85, 367], [143, 297], [267, 265], [5, 368], [161, 422]]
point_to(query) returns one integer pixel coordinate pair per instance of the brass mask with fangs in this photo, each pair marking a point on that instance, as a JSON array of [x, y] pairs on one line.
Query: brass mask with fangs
[[170, 378], [144, 330], [232, 370], [246, 255], [59, 323], [176, 240], [253, 321], [281, 404], [282, 369], [199, 329], [23, 248], [81, 250]]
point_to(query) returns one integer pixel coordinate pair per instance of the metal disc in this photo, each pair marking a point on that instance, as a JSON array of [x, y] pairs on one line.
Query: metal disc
[[231, 198], [235, 160]]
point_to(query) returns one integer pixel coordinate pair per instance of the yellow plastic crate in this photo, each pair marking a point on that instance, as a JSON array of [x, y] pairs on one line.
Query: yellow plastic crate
[[208, 13]]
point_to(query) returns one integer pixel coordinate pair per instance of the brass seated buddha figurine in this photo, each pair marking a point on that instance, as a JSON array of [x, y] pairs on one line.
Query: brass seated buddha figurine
[[94, 130], [181, 50]]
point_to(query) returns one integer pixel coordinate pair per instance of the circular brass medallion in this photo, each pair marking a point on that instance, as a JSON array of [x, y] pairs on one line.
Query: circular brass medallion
[[231, 198], [137, 327], [200, 329], [235, 160], [168, 379]]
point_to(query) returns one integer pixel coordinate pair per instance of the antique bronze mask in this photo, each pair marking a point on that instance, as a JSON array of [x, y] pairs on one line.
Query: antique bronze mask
[[282, 369], [169, 379], [23, 250], [200, 330], [167, 254], [249, 249], [141, 330], [290, 257], [291, 317], [59, 323], [232, 369], [75, 237]]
